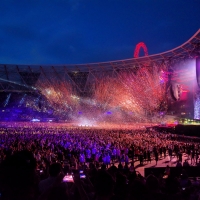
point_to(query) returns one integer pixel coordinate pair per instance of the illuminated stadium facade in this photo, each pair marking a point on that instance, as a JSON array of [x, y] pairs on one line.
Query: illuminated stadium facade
[[138, 89]]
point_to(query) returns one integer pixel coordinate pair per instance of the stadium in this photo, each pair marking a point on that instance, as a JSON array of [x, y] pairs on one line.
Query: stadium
[[126, 129], [160, 88]]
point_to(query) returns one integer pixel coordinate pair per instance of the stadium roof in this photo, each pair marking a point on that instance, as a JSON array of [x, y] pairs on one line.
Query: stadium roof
[[189, 49], [27, 75]]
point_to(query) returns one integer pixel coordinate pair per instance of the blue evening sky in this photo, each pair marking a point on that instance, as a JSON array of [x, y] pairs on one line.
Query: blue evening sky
[[85, 31]]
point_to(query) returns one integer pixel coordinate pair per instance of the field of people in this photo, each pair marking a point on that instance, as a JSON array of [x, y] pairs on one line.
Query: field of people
[[101, 154]]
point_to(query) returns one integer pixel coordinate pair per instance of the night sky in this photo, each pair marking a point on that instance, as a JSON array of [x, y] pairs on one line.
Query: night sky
[[85, 31]]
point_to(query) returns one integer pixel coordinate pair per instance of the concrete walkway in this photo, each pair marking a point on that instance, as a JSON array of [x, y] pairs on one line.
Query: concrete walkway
[[163, 162]]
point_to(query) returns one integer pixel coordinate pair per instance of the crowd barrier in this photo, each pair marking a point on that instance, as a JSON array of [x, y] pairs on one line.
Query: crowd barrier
[[188, 130], [174, 171]]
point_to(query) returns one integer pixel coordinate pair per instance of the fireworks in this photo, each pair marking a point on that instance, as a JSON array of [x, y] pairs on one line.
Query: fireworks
[[59, 96], [126, 95], [139, 92]]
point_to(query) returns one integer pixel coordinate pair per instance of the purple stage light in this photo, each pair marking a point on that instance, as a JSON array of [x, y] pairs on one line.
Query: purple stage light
[[109, 113]]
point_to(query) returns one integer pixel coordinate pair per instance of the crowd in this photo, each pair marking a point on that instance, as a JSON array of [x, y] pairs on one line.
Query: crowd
[[97, 164]]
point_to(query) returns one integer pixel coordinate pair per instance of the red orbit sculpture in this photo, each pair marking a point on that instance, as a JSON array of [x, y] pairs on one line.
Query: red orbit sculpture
[[137, 49]]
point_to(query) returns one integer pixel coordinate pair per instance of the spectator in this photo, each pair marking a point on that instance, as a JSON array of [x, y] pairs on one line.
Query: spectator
[[186, 164], [18, 179], [178, 164], [54, 171], [104, 185], [153, 188]]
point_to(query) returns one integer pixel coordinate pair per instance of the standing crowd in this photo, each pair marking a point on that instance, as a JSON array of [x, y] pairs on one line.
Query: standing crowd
[[34, 161]]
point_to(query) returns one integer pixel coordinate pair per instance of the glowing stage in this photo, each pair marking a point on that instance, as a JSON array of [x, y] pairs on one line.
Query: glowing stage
[[136, 126]]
